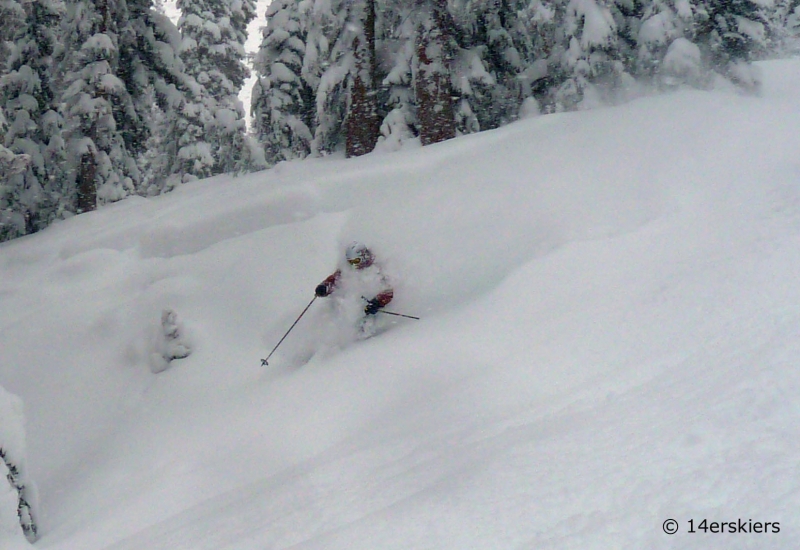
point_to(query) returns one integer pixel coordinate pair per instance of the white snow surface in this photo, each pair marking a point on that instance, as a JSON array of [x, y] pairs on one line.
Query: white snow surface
[[609, 327]]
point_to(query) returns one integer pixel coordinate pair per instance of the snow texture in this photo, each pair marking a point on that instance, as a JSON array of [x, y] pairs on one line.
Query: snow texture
[[608, 339]]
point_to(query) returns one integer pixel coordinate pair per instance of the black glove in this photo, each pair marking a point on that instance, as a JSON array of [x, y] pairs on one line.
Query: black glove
[[372, 307], [321, 291]]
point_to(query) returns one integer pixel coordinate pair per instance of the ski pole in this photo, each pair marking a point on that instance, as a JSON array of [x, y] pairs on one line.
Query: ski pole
[[391, 312], [398, 314], [265, 362]]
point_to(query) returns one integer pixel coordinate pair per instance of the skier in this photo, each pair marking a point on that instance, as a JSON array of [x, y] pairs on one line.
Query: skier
[[363, 277], [350, 285]]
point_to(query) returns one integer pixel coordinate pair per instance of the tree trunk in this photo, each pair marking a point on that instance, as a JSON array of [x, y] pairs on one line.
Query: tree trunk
[[102, 9], [87, 186], [363, 122], [435, 114]]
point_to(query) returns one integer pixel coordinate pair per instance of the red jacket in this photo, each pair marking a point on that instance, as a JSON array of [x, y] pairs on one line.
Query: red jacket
[[331, 282]]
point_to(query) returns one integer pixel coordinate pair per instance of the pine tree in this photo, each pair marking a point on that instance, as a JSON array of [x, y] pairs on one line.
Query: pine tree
[[436, 116], [783, 20], [12, 19], [214, 33], [502, 50], [283, 106], [163, 89], [38, 194], [124, 82], [732, 34], [98, 109], [12, 217], [154, 74], [234, 155], [434, 69], [667, 54], [590, 63], [661, 23], [397, 43], [328, 66], [363, 120], [537, 39], [485, 54]]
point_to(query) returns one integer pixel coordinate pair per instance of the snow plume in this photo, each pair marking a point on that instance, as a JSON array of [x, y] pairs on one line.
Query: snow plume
[[682, 64], [443, 246]]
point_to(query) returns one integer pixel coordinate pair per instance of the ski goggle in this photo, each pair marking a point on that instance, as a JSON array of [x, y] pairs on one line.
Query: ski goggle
[[354, 261]]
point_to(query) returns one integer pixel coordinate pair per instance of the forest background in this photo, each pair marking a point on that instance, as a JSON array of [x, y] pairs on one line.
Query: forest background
[[104, 99]]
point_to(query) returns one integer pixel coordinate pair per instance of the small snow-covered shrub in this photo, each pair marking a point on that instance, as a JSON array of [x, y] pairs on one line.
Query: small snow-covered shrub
[[170, 342], [16, 496]]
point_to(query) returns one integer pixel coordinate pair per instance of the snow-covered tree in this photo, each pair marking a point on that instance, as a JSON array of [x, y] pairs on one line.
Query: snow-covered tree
[[665, 25], [436, 117], [447, 67], [783, 25], [283, 106], [320, 81], [396, 49], [38, 194], [214, 33], [101, 121], [731, 34], [683, 64], [494, 57], [416, 51], [503, 49], [12, 217], [17, 493], [792, 23], [590, 64], [363, 119], [328, 67], [125, 84], [160, 85], [12, 18]]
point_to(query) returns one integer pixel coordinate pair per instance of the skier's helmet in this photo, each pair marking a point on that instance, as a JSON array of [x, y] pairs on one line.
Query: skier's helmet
[[358, 255]]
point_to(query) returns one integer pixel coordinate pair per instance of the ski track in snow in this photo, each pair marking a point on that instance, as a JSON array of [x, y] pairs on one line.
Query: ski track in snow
[[608, 339]]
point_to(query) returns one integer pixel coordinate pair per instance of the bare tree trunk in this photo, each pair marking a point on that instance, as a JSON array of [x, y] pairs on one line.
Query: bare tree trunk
[[87, 186], [434, 99], [363, 122], [87, 170], [102, 9]]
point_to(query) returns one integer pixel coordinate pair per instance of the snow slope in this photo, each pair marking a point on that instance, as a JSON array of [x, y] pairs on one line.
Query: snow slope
[[608, 340]]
